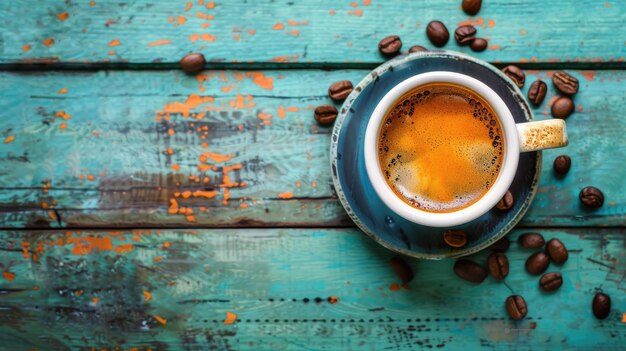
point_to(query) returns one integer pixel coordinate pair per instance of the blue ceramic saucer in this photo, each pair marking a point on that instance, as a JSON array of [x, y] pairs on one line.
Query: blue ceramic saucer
[[360, 200]]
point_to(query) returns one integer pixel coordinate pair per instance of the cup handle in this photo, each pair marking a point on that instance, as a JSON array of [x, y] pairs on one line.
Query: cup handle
[[541, 135]]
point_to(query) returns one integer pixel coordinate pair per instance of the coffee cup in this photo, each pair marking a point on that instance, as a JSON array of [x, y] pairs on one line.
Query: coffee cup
[[513, 138]]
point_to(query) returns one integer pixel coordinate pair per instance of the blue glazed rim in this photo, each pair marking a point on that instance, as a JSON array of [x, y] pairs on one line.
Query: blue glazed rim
[[368, 211]]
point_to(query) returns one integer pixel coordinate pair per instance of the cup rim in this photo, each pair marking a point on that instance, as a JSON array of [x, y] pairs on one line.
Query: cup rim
[[487, 201]]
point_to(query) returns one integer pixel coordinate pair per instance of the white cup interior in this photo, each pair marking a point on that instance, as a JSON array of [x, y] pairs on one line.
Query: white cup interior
[[489, 199]]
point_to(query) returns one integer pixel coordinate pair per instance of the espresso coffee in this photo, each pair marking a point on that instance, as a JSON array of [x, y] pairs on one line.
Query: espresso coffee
[[440, 147]]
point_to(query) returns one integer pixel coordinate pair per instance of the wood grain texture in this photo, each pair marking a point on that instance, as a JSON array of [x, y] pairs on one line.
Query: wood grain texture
[[282, 31], [171, 290], [235, 149]]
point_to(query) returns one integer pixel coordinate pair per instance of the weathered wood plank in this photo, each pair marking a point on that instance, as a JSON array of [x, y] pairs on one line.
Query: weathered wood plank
[[301, 31], [111, 164], [169, 290]]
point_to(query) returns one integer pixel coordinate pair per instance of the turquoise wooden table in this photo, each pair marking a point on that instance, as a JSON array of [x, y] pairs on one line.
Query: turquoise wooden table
[[145, 209]]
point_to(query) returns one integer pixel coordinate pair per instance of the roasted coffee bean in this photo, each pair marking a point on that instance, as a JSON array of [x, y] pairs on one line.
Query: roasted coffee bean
[[506, 202], [516, 307], [455, 238], [465, 35], [417, 48], [565, 83], [516, 74], [562, 164], [551, 281], [390, 45], [471, 7], [437, 33], [479, 44], [562, 107], [402, 269], [470, 271], [501, 245], [498, 265], [325, 114], [531, 240], [537, 263], [340, 90], [192, 63], [557, 251], [537, 92], [591, 197], [601, 305]]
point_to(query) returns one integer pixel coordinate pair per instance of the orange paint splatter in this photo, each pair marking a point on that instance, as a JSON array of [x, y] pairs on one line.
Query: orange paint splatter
[[244, 205], [264, 116], [175, 167], [146, 296], [261, 80], [295, 33], [63, 126], [494, 47], [314, 184], [623, 317], [90, 177], [281, 111], [523, 32], [9, 139], [218, 157], [210, 5], [65, 116], [87, 245], [158, 258], [8, 276], [63, 16], [367, 2], [48, 42], [286, 195], [227, 89], [207, 37], [160, 42], [332, 12], [293, 109], [124, 248], [292, 58], [63, 91], [170, 132], [394, 287], [491, 23], [181, 20], [114, 42], [160, 319], [473, 22], [296, 23], [278, 26], [189, 5], [26, 47], [357, 13], [92, 3], [230, 318], [589, 75], [354, 4], [95, 300]]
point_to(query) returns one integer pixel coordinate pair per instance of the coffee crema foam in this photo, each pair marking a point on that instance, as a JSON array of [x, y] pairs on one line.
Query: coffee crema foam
[[440, 147]]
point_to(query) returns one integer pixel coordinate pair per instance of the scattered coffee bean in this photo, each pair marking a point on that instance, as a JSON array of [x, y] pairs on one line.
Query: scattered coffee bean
[[537, 263], [340, 90], [437, 33], [565, 83], [498, 265], [325, 114], [465, 35], [471, 7], [417, 48], [501, 245], [192, 63], [537, 92], [516, 74], [601, 305], [562, 164], [402, 269], [390, 45], [557, 251], [479, 44], [506, 202], [562, 107], [551, 281], [470, 271], [516, 307], [591, 197], [455, 238], [531, 240]]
